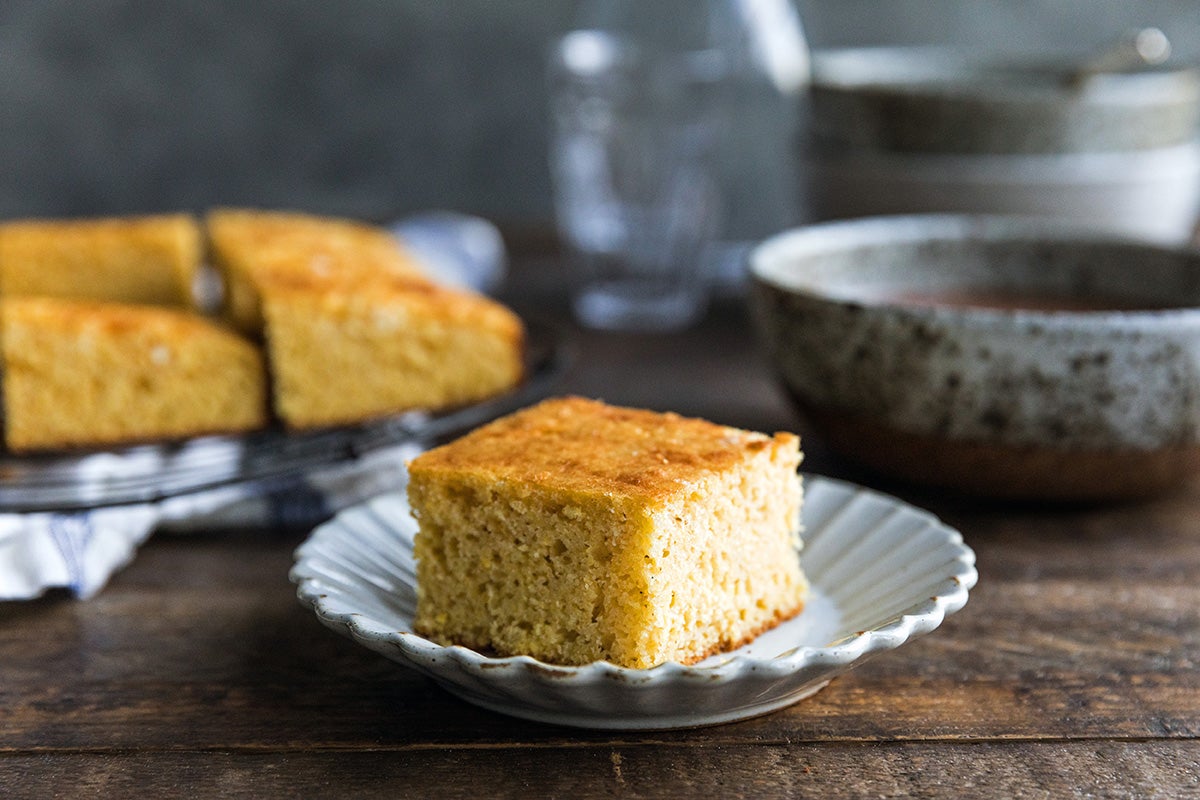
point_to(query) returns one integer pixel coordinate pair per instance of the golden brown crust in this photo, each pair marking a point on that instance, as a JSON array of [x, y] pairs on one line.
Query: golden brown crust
[[244, 233], [337, 293], [110, 319], [781, 616], [587, 446]]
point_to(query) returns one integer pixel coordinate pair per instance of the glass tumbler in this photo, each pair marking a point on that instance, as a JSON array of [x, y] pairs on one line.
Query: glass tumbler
[[633, 159]]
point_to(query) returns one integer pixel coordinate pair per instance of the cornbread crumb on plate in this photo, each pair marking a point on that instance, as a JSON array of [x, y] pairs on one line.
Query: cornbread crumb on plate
[[80, 374], [151, 260], [574, 531]]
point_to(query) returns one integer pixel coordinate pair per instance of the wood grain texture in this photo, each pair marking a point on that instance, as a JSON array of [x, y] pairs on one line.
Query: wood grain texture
[[226, 647], [1073, 670], [1024, 769]]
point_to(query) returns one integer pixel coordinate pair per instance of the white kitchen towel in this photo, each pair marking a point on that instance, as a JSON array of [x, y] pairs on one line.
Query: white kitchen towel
[[80, 550]]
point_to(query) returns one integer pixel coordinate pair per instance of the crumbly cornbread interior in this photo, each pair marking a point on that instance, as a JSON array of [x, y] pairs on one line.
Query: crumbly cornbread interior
[[575, 531]]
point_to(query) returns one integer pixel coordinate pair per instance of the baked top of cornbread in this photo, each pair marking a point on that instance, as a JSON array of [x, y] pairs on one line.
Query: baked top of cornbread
[[114, 321], [252, 237], [84, 236], [578, 445], [341, 290]]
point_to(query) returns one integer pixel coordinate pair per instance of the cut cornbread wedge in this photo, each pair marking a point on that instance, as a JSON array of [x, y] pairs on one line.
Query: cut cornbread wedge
[[574, 531], [345, 348], [82, 374], [150, 260], [245, 243]]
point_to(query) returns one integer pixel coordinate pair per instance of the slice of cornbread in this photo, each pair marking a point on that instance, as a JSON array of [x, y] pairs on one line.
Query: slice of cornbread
[[344, 348], [354, 329], [574, 531], [79, 373], [151, 260], [245, 243]]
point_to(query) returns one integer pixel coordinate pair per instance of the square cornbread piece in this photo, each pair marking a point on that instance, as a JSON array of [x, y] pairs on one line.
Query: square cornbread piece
[[248, 243], [82, 374], [354, 330], [149, 260], [345, 349], [575, 531]]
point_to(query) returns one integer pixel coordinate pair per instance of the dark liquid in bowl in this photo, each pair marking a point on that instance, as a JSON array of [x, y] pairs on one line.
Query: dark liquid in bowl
[[1005, 300]]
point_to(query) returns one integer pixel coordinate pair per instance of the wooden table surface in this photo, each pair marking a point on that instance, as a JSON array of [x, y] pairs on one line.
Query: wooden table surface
[[1072, 671]]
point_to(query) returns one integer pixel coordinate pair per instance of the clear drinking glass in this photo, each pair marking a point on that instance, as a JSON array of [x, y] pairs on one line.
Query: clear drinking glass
[[635, 132]]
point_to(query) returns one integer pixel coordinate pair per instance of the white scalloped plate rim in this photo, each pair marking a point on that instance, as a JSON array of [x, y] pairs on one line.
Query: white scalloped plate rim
[[341, 569]]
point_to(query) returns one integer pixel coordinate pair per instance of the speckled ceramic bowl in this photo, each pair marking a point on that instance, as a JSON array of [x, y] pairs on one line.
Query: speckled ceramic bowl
[[942, 100], [999, 356]]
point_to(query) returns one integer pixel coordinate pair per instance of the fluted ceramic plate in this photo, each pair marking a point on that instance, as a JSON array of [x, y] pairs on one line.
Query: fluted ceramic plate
[[882, 572]]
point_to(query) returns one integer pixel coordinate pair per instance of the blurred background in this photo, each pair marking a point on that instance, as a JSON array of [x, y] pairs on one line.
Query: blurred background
[[377, 108]]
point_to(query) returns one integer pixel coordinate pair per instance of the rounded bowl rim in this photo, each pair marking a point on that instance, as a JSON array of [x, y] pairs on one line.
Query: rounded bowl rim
[[768, 259]]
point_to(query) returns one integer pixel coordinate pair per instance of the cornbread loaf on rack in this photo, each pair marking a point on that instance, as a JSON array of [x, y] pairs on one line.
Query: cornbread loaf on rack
[[574, 531], [350, 327], [151, 260], [353, 329], [86, 374]]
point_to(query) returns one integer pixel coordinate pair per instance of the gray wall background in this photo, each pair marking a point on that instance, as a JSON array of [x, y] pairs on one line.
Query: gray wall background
[[373, 107]]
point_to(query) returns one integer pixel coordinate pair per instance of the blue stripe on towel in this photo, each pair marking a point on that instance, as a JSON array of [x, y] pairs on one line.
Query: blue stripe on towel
[[71, 534]]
